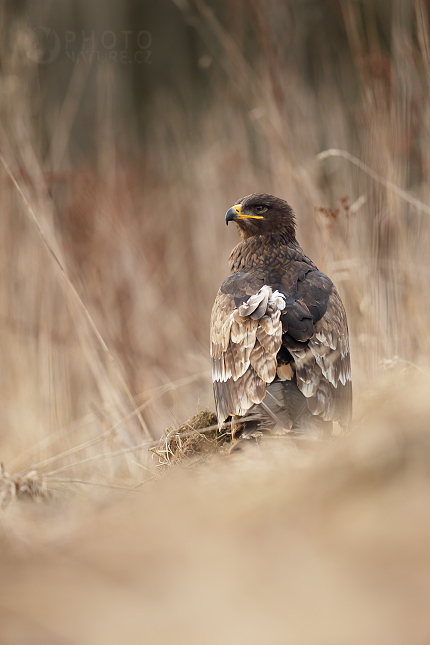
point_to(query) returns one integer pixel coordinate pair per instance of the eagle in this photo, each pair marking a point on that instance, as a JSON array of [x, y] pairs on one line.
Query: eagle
[[278, 332]]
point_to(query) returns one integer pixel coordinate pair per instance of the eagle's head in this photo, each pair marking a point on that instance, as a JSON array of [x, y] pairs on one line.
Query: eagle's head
[[263, 214]]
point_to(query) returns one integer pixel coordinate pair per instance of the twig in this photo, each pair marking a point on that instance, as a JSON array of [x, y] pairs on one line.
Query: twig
[[81, 481], [141, 466], [411, 364], [172, 385], [116, 453], [335, 152], [52, 438]]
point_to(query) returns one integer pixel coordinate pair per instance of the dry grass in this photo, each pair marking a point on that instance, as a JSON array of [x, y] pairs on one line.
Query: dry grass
[[28, 485], [195, 440], [109, 269]]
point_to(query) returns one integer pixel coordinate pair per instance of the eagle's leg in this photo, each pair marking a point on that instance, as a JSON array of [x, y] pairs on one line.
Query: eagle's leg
[[283, 411], [241, 431]]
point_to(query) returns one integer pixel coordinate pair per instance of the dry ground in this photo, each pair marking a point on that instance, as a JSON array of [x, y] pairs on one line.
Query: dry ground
[[324, 544]]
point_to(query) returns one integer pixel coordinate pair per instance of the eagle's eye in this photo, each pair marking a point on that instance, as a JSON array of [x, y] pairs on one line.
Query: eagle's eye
[[260, 208]]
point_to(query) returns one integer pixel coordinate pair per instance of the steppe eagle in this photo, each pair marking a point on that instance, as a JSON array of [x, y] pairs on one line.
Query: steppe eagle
[[279, 334]]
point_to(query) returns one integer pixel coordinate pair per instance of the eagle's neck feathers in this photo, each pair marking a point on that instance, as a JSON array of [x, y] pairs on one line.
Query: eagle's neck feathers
[[261, 251]]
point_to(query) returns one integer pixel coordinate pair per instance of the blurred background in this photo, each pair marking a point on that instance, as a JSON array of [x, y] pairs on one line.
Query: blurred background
[[131, 127], [127, 129]]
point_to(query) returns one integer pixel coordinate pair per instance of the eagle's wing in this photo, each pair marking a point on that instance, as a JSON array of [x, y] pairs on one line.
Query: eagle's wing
[[246, 335], [323, 368], [252, 321]]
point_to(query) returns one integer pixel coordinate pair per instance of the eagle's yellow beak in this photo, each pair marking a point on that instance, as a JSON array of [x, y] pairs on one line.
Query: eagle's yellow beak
[[235, 212]]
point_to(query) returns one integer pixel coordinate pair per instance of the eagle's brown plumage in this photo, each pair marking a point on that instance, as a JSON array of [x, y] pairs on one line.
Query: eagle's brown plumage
[[279, 335]]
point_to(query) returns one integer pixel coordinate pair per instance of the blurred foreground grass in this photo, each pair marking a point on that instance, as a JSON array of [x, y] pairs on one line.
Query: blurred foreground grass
[[328, 544]]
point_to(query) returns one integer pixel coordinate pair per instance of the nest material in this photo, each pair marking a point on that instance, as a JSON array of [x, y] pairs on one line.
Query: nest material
[[196, 439]]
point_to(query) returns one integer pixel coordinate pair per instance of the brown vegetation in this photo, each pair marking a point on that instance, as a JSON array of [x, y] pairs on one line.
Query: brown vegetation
[[110, 263]]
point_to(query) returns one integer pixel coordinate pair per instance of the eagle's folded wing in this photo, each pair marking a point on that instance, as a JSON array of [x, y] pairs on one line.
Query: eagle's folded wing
[[323, 369], [245, 339], [249, 326]]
